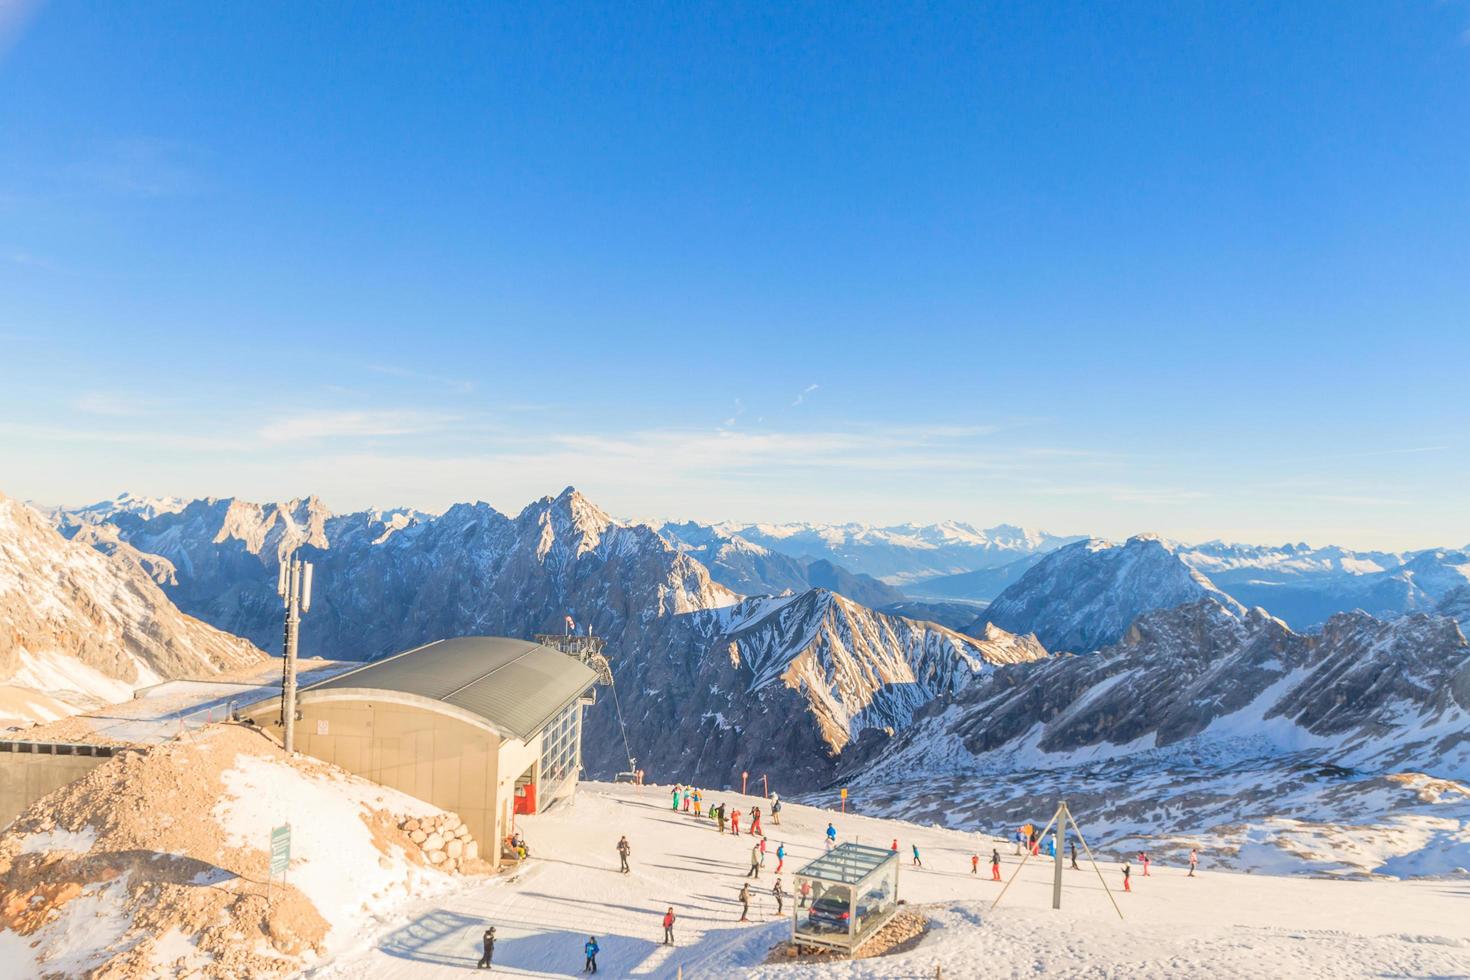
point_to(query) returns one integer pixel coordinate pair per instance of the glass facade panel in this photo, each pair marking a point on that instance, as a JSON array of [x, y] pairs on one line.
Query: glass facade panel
[[561, 749]]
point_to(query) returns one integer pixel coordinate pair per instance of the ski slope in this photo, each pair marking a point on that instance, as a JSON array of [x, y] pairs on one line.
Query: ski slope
[[1219, 924]]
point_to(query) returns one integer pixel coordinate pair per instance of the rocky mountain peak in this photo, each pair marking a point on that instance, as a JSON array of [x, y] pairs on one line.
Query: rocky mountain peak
[[1085, 595]]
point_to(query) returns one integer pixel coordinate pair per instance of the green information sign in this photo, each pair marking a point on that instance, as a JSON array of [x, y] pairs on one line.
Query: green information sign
[[280, 849]]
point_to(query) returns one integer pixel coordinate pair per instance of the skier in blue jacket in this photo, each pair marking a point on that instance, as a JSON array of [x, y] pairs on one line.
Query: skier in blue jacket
[[590, 948]]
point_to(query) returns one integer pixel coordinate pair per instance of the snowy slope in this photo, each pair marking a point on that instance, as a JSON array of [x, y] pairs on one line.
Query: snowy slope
[[1203, 721], [155, 864], [83, 627], [1085, 595], [1218, 924]]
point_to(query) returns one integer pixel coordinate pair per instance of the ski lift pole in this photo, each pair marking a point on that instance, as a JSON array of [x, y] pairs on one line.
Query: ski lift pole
[[1100, 877], [1017, 873]]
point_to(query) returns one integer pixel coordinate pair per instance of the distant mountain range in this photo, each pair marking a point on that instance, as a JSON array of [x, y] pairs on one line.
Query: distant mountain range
[[1084, 595], [761, 647], [947, 562], [709, 682], [898, 555]]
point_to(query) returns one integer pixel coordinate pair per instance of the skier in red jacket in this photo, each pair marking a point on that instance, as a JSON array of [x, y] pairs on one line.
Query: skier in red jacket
[[669, 927]]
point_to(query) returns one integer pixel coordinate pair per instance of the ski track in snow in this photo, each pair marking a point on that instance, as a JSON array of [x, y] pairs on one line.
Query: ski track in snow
[[1220, 924]]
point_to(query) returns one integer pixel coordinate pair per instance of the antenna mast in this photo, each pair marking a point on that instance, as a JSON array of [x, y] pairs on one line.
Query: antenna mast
[[293, 585]]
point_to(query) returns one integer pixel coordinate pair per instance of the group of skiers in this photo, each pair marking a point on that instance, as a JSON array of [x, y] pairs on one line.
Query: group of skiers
[[690, 800]]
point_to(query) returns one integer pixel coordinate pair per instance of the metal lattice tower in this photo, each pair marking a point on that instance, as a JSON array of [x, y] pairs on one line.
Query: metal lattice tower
[[585, 648]]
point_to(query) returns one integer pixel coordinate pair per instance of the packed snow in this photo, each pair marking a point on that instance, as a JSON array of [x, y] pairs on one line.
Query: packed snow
[[1219, 924]]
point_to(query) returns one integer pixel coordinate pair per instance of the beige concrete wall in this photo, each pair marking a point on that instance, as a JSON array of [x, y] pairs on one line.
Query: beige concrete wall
[[444, 761], [26, 777]]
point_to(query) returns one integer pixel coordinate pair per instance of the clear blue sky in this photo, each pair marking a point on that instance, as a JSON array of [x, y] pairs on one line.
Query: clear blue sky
[[1202, 269]]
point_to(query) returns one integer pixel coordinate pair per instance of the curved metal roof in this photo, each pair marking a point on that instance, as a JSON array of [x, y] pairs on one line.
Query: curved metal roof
[[516, 686]]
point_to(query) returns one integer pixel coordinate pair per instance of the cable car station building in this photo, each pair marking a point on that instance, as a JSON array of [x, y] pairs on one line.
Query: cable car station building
[[487, 727]]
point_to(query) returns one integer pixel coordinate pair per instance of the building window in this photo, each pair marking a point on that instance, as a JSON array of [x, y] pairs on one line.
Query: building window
[[561, 748]]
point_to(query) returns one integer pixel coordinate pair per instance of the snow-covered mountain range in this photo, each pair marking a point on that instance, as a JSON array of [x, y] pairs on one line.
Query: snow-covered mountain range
[[1305, 585], [1205, 718], [752, 569], [709, 683], [897, 555], [1085, 595], [81, 625]]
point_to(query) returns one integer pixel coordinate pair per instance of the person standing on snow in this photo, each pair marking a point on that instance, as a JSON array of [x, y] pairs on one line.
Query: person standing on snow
[[735, 823], [780, 856], [591, 949], [488, 940], [894, 846], [755, 862], [780, 897], [974, 864], [806, 893], [675, 803], [1073, 845], [718, 813], [755, 821], [1143, 859], [1051, 845], [745, 902], [994, 864], [696, 804], [917, 862], [669, 927], [1127, 874], [831, 836], [1193, 860], [763, 852], [624, 849], [1016, 839], [776, 809]]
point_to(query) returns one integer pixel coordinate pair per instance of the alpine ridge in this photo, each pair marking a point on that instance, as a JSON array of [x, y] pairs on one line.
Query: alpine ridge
[[681, 644], [1085, 595], [85, 626]]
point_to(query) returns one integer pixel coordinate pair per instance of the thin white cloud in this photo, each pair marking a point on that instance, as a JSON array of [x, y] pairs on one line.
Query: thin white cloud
[[312, 426], [461, 385], [111, 403], [801, 395]]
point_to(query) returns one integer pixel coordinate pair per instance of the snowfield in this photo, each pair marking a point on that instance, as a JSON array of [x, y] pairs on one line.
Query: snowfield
[[1219, 924]]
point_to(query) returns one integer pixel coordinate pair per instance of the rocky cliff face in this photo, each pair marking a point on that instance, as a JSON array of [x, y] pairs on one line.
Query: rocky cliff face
[[1363, 691], [88, 625], [1085, 595], [1205, 727], [682, 646]]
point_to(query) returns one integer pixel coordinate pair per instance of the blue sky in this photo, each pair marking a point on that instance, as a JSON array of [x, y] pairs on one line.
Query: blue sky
[[1201, 269]]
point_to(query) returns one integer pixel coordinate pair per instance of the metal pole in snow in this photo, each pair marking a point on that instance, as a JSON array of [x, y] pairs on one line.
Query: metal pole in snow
[[1061, 836]]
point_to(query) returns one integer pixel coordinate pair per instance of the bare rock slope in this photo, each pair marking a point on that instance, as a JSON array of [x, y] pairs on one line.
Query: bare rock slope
[[85, 626]]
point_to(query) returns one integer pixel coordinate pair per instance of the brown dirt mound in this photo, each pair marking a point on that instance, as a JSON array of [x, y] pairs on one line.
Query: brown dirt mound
[[151, 814]]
